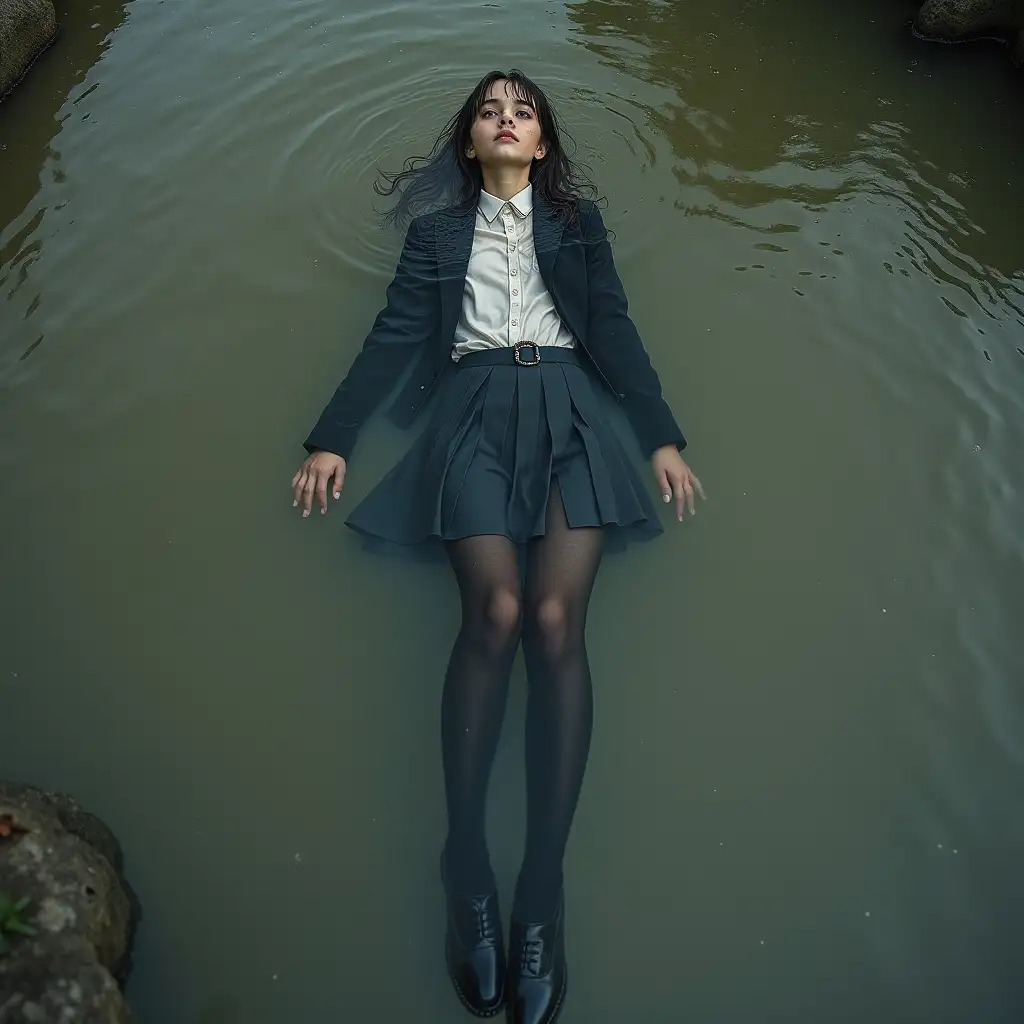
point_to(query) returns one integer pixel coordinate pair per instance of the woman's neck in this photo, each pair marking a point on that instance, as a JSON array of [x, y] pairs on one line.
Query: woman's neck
[[505, 182]]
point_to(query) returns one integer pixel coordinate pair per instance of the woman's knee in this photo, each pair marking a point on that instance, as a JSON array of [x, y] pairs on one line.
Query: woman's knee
[[552, 624], [502, 616]]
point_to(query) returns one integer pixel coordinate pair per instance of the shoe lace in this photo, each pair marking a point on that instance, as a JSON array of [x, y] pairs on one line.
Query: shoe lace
[[529, 956], [483, 920]]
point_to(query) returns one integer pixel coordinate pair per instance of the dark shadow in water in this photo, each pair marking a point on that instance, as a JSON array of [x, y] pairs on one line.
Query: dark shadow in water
[[218, 1010], [814, 104], [781, 83], [30, 117], [743, 83]]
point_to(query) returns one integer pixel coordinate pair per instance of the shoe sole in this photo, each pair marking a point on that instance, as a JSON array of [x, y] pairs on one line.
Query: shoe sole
[[561, 996], [476, 1011], [557, 1009]]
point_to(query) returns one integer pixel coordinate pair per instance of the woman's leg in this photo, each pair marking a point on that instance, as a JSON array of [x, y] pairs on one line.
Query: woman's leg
[[561, 569], [473, 701]]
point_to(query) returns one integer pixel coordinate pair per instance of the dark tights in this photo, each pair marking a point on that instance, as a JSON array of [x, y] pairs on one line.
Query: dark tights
[[549, 617]]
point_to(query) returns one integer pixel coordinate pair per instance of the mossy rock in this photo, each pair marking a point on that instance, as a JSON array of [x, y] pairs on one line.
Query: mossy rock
[[27, 27], [80, 914]]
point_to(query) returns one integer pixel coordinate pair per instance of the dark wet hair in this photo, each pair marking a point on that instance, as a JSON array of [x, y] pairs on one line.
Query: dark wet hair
[[447, 177]]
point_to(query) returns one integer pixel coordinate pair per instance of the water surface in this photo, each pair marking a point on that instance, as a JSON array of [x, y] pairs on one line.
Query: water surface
[[804, 796]]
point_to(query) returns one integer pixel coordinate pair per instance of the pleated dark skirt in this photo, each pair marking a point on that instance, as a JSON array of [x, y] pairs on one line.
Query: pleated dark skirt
[[500, 436]]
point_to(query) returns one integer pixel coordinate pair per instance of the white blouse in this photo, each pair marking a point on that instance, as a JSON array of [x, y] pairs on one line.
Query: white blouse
[[505, 300]]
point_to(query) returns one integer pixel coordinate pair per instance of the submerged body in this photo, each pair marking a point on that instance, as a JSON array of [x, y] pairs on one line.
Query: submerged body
[[509, 303]]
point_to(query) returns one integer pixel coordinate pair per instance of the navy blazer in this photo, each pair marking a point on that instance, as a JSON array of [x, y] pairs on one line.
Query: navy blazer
[[424, 302]]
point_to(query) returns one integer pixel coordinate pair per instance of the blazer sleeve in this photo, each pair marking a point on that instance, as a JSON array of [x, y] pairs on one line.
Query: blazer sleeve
[[615, 345], [408, 319]]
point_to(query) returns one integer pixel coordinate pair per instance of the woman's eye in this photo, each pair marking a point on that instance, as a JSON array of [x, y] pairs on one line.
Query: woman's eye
[[525, 113]]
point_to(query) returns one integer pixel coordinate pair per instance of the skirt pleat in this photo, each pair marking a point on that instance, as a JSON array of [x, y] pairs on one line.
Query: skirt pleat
[[498, 438], [621, 496]]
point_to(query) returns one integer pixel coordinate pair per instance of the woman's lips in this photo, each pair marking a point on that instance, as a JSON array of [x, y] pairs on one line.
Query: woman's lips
[[506, 137]]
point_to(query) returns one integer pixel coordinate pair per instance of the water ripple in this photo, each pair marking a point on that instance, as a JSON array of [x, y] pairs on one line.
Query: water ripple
[[819, 239]]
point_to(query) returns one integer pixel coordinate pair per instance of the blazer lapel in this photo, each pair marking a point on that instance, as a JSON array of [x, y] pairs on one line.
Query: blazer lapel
[[454, 239], [547, 236]]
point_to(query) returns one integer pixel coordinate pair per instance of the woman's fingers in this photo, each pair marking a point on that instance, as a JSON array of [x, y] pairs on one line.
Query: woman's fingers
[[661, 476], [680, 495], [298, 483], [313, 479], [677, 481], [321, 489], [308, 490]]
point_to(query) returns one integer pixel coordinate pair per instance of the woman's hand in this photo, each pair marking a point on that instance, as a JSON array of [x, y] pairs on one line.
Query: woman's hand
[[675, 478], [313, 476]]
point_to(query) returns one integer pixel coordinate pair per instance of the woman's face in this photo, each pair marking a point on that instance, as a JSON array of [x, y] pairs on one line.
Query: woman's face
[[506, 130]]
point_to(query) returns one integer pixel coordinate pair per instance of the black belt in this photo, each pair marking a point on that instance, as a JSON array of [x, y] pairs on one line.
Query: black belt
[[523, 353]]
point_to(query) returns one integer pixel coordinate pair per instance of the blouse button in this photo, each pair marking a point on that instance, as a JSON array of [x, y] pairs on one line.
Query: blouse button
[[515, 291], [515, 323], [513, 272]]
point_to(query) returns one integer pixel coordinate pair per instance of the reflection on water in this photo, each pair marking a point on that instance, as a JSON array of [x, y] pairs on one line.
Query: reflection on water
[[803, 795], [32, 117], [746, 131]]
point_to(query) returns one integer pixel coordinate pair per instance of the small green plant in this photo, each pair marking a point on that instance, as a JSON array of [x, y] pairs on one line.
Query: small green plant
[[10, 920]]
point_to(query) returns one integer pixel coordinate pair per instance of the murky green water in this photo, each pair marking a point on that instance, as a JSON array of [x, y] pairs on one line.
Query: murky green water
[[804, 799]]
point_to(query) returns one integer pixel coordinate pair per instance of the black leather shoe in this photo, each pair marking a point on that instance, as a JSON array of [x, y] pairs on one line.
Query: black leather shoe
[[475, 950], [537, 970]]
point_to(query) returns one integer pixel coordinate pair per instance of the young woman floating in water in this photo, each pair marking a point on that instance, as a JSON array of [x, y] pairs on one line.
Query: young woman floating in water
[[508, 303]]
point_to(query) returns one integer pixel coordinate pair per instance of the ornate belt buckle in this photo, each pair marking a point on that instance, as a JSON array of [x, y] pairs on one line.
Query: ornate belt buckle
[[518, 350]]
